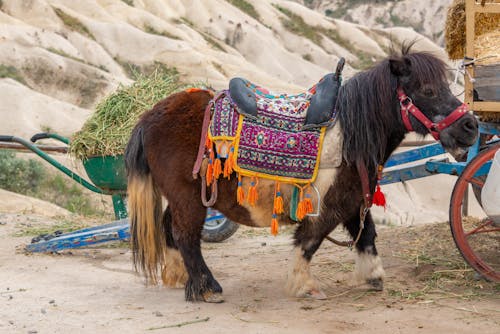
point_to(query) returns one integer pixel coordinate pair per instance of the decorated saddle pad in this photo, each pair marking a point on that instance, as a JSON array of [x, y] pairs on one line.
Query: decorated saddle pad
[[273, 144]]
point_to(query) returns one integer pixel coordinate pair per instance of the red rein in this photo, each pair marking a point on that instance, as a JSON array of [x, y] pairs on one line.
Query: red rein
[[407, 107]]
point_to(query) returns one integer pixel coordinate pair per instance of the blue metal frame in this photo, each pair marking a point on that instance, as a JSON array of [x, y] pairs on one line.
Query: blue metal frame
[[432, 167], [117, 230]]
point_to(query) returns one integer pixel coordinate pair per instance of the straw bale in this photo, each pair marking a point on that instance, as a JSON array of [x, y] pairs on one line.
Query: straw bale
[[487, 48], [455, 28]]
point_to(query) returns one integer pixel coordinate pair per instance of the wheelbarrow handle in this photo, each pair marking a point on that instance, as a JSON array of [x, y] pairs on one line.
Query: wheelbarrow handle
[[6, 138], [45, 135]]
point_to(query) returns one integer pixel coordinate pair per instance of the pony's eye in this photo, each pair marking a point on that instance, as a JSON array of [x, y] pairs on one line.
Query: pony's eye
[[429, 92]]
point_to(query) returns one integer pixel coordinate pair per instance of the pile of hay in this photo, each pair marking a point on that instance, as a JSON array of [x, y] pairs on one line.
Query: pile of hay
[[487, 47], [455, 29], [107, 131]]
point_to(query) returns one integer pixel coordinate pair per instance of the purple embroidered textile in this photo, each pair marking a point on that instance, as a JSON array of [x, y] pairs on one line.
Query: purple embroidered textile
[[272, 144], [224, 121], [275, 144]]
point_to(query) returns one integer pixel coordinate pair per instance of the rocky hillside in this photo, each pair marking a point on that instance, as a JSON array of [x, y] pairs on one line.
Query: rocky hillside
[[58, 58], [426, 17]]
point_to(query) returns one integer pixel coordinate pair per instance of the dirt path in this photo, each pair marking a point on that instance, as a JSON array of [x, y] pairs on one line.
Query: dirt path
[[95, 291]]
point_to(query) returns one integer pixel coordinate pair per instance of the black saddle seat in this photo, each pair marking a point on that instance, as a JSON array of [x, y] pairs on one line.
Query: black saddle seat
[[322, 103]]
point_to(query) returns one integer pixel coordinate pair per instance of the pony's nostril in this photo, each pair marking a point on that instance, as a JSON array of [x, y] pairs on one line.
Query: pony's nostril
[[469, 126]]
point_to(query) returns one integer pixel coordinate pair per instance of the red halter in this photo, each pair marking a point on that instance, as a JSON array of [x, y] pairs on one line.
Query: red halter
[[407, 107]]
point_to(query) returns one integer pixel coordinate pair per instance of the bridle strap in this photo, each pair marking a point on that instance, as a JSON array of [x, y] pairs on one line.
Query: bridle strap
[[365, 183], [407, 108], [204, 133]]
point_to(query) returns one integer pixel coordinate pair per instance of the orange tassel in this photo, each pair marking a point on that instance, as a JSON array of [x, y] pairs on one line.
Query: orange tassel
[[210, 167], [379, 197], [278, 200], [308, 207], [217, 163], [217, 167], [210, 173], [229, 163], [240, 193], [253, 196], [301, 212], [274, 225], [305, 205]]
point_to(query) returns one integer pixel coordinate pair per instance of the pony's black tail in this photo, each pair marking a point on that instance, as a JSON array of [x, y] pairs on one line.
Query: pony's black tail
[[147, 233]]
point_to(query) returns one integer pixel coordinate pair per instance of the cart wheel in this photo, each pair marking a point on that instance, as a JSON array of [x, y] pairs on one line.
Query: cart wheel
[[217, 227], [478, 240]]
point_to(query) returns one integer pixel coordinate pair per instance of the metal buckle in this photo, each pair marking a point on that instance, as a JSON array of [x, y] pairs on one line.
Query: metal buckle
[[406, 102]]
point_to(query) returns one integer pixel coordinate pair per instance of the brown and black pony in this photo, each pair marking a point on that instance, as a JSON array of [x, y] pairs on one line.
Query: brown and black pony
[[164, 144]]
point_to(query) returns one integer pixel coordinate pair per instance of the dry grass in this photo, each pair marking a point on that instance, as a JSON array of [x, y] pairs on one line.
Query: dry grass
[[107, 131], [422, 265], [438, 265]]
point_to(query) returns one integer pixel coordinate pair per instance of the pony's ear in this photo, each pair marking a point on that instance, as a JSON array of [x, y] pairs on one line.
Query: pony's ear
[[400, 67]]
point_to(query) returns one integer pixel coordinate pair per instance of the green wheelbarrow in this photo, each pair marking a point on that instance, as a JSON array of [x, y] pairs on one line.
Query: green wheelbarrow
[[107, 176]]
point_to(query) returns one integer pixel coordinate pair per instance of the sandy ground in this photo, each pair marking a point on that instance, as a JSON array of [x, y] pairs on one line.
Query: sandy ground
[[95, 291]]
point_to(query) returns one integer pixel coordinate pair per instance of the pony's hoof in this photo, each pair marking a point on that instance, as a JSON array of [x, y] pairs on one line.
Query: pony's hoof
[[316, 294], [376, 284], [213, 297]]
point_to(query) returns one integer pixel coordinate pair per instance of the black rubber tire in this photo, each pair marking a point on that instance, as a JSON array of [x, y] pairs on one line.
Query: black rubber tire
[[218, 230]]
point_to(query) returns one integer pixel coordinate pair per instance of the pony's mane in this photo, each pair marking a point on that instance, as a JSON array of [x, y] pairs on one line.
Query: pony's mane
[[367, 104]]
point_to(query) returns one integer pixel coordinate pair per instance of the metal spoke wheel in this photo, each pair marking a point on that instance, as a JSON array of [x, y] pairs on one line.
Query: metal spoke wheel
[[477, 239], [217, 227]]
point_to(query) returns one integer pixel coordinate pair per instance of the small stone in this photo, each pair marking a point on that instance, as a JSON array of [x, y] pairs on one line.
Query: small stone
[[263, 244], [11, 297], [11, 322], [43, 311], [158, 313], [52, 301]]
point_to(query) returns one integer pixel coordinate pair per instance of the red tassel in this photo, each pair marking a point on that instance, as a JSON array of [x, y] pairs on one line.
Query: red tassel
[[379, 197]]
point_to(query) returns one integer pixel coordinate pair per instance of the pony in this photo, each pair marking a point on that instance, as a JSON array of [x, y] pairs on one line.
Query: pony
[[376, 108]]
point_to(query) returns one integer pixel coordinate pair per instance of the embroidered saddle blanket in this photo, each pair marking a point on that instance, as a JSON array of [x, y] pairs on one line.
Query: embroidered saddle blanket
[[273, 144]]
